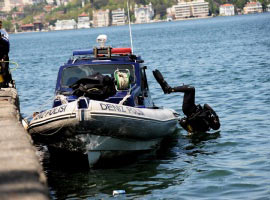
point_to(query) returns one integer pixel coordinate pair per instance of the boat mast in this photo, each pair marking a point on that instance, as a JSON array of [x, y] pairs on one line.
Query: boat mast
[[130, 33]]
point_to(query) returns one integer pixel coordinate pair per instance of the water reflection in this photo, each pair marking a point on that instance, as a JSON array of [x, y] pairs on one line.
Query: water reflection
[[151, 172]]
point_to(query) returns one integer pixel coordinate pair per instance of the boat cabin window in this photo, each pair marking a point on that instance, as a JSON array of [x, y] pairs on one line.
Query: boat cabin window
[[74, 73]]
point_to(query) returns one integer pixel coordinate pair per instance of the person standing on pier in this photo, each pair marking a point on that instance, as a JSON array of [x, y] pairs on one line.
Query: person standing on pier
[[5, 76]]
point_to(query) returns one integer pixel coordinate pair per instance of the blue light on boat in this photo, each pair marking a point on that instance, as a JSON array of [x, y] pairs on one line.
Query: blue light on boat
[[82, 52]]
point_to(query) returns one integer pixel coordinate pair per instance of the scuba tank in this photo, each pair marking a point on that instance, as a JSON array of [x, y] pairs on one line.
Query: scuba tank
[[203, 120]]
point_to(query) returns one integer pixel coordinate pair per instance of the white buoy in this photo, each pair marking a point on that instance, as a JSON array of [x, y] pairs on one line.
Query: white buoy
[[118, 192]]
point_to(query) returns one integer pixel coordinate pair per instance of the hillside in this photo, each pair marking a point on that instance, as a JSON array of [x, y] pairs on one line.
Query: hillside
[[75, 8]]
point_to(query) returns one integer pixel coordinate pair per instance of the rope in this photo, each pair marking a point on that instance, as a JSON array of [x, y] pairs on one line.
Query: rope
[[127, 96], [12, 62], [63, 100]]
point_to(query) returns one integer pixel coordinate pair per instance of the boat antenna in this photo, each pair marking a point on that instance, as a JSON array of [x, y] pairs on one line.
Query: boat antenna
[[130, 33]]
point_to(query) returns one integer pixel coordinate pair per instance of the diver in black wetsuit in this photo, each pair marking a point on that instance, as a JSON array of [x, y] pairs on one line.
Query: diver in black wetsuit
[[197, 119], [5, 76]]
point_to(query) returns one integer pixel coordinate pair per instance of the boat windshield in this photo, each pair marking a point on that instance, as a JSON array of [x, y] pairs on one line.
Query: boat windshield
[[74, 73]]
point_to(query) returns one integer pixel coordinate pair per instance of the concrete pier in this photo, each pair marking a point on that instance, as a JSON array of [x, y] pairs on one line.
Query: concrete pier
[[21, 174]]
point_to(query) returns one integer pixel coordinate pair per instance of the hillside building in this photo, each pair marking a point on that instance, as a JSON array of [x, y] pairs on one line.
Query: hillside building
[[83, 21], [253, 7], [101, 18], [118, 17], [144, 14], [226, 10]]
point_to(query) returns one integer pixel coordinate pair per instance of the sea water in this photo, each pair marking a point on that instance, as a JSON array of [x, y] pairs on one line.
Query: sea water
[[227, 60]]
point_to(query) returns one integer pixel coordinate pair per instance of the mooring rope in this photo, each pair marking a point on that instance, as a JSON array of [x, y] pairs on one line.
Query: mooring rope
[[12, 62]]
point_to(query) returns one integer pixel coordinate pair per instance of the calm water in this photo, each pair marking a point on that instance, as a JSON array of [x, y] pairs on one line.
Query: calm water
[[227, 59]]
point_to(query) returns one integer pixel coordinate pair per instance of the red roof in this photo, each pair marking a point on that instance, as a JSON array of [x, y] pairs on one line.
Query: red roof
[[227, 4], [251, 3], [27, 25], [83, 15]]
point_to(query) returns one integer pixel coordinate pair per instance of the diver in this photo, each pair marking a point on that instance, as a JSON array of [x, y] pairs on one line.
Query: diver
[[198, 118], [5, 76]]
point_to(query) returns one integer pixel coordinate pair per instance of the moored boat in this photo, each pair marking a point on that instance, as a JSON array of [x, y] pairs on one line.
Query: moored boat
[[103, 107]]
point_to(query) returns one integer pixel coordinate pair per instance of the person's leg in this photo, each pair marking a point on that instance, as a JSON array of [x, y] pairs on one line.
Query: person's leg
[[5, 71], [164, 85], [188, 105]]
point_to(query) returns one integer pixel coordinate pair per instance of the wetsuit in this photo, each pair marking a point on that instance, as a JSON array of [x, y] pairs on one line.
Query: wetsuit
[[198, 119], [188, 105], [4, 66]]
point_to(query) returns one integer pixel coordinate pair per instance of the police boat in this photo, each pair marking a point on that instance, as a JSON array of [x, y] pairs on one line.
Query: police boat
[[103, 107]]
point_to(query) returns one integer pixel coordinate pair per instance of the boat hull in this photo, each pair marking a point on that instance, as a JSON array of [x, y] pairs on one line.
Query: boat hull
[[102, 127]]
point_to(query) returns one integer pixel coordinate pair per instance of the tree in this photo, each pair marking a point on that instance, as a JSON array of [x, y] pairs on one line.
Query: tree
[[7, 24]]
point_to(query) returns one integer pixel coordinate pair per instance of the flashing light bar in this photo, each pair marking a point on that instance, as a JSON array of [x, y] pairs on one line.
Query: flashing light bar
[[121, 51], [83, 52], [117, 51]]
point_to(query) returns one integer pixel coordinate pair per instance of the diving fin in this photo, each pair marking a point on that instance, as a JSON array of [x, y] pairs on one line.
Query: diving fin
[[164, 85], [214, 119]]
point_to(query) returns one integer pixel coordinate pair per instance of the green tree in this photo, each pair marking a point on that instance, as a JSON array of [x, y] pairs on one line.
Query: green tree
[[7, 24]]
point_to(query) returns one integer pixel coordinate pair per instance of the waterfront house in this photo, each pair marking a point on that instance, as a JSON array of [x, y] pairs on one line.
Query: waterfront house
[[38, 26], [65, 24], [27, 27], [83, 21], [226, 10], [144, 14], [118, 17], [101, 18], [197, 8], [253, 7]]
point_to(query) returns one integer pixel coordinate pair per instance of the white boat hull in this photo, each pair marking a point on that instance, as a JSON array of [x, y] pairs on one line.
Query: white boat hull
[[103, 127]]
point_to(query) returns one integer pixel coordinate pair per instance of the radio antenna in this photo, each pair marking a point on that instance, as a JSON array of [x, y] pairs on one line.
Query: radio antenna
[[130, 33]]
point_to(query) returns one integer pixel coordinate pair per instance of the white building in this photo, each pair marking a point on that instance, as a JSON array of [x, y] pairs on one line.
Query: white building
[[8, 5], [197, 8], [268, 8], [118, 17], [65, 24], [226, 10], [182, 10], [101, 18], [51, 2], [62, 2], [144, 14], [83, 21], [253, 7]]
